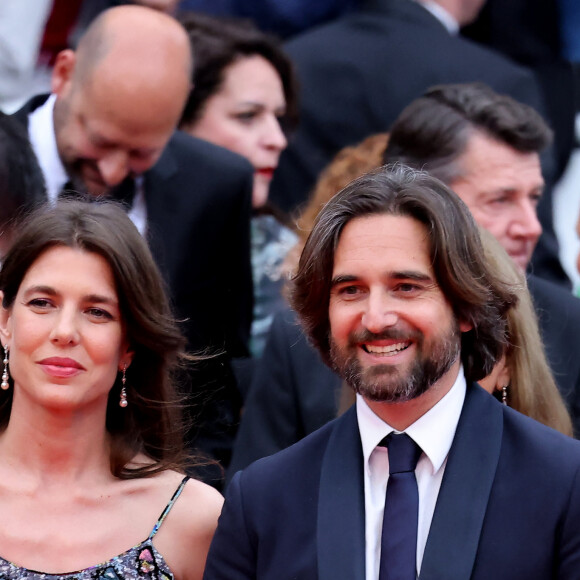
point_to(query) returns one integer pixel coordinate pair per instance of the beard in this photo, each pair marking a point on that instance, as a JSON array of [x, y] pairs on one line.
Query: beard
[[389, 383]]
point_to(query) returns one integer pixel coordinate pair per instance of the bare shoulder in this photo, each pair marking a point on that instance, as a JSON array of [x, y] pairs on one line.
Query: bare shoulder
[[201, 504], [185, 536]]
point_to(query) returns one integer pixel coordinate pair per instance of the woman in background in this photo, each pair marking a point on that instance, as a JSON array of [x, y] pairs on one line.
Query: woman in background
[[90, 442], [244, 92], [522, 379]]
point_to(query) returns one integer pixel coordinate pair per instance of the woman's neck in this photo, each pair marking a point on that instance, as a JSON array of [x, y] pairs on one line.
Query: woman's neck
[[65, 447]]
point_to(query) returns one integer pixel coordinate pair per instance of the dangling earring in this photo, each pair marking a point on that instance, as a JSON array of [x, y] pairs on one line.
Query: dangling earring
[[123, 400], [5, 385], [504, 393]]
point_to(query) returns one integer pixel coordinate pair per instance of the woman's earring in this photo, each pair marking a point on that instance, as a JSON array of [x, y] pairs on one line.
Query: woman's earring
[[123, 400], [504, 393], [5, 385]]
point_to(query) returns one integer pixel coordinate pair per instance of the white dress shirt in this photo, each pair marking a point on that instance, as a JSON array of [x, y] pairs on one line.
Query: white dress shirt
[[43, 141], [441, 14], [434, 433]]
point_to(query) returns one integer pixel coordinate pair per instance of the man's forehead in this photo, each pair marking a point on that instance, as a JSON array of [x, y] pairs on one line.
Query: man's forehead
[[379, 238], [490, 166], [103, 132], [481, 150]]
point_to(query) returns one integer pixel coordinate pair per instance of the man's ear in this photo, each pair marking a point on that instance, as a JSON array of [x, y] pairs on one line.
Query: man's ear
[[465, 326], [5, 323], [63, 71]]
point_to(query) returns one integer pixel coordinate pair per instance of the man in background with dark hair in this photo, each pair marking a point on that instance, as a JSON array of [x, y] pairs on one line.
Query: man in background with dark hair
[[408, 313], [486, 147]]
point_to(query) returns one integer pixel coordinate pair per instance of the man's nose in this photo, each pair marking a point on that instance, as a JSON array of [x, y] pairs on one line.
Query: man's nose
[[380, 312], [114, 167], [526, 223]]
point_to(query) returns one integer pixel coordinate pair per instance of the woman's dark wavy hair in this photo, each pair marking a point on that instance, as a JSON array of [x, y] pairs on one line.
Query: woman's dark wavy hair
[[476, 296], [219, 42], [151, 424]]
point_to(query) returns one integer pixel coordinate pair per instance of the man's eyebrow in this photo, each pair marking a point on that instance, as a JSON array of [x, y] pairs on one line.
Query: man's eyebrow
[[412, 275], [539, 188], [401, 275], [341, 279]]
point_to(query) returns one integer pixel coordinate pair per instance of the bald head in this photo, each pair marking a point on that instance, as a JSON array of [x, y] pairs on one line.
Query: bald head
[[120, 95], [134, 33]]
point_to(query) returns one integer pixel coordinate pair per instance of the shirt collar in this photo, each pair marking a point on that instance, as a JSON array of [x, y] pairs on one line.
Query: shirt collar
[[441, 14], [433, 432], [43, 141]]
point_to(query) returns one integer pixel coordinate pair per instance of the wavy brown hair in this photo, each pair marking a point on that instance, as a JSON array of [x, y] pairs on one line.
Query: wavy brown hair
[[477, 296], [532, 389], [151, 424]]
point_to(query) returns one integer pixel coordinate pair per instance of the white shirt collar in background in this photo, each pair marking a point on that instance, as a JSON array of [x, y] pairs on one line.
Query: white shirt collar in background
[[43, 141], [442, 15]]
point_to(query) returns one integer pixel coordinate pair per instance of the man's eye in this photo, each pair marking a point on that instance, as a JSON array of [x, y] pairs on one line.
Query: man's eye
[[39, 303], [407, 288], [348, 291]]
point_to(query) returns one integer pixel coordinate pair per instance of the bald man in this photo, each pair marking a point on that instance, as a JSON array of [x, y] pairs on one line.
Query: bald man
[[119, 95], [108, 129]]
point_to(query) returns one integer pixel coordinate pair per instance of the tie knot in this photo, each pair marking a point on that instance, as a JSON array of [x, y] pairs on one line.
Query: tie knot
[[404, 453]]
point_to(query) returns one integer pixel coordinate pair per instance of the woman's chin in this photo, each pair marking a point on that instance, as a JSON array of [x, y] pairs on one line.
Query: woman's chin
[[261, 190]]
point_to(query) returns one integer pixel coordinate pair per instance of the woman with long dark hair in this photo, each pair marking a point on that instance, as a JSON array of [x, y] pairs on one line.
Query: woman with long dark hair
[[90, 443]]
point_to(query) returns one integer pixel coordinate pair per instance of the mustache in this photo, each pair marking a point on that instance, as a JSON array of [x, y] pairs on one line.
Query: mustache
[[387, 334]]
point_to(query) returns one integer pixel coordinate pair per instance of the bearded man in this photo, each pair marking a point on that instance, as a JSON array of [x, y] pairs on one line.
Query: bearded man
[[394, 290]]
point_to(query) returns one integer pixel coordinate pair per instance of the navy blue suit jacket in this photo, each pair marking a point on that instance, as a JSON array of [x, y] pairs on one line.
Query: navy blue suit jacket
[[508, 507]]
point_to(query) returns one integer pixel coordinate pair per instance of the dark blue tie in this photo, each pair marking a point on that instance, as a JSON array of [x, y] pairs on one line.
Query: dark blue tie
[[399, 538]]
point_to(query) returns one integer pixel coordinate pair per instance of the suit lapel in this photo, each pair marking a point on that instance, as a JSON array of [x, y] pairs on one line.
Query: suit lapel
[[341, 508], [22, 114], [462, 502]]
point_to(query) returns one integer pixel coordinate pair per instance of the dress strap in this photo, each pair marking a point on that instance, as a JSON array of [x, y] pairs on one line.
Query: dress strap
[[168, 507]]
